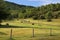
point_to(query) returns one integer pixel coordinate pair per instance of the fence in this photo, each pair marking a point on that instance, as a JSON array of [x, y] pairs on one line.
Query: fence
[[28, 33]]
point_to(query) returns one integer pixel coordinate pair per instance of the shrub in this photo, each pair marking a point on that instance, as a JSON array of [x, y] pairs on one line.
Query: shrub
[[49, 20], [35, 17]]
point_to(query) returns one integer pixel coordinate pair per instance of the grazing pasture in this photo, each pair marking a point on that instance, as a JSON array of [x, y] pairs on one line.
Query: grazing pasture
[[37, 23], [27, 34], [43, 30]]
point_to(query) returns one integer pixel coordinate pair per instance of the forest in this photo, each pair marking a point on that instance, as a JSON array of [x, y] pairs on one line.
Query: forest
[[9, 10]]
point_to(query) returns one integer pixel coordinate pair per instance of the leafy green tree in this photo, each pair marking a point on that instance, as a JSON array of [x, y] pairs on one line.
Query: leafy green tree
[[49, 16], [3, 12]]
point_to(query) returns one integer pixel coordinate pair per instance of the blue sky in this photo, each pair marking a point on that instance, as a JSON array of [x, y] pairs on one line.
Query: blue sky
[[34, 2]]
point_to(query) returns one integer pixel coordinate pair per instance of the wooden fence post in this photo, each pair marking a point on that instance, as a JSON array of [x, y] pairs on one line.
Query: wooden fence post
[[11, 34], [50, 31], [33, 32]]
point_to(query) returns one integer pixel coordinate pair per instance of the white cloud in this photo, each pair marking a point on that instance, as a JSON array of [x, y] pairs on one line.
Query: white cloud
[[44, 2], [33, 0], [40, 0]]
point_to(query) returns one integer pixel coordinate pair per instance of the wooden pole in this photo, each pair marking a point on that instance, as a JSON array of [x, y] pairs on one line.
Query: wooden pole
[[11, 34], [33, 32], [50, 31]]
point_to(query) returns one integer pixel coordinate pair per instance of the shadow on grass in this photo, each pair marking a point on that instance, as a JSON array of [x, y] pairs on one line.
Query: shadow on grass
[[11, 39], [2, 33], [11, 26]]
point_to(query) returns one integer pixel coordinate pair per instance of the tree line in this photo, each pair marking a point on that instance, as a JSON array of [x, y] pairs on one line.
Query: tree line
[[11, 10]]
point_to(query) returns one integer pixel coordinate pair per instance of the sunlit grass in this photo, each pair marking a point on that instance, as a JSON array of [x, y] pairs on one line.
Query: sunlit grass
[[26, 33], [41, 30], [37, 23]]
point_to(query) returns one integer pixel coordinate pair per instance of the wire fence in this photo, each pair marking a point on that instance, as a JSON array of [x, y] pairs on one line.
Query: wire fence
[[27, 33]]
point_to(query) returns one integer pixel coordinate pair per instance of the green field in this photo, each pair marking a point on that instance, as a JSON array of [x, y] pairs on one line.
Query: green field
[[41, 30], [37, 23]]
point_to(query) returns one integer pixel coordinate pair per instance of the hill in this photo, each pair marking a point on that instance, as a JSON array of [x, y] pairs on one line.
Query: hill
[[18, 11], [23, 11], [51, 11]]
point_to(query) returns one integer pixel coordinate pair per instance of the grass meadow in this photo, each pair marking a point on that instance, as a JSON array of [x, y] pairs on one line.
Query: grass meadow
[[27, 34], [41, 30]]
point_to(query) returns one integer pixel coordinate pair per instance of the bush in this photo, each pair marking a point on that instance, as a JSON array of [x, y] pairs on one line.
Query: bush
[[49, 20], [32, 23], [35, 17], [7, 24], [42, 17], [21, 21]]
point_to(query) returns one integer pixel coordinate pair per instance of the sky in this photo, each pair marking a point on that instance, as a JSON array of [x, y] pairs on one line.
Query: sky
[[35, 3]]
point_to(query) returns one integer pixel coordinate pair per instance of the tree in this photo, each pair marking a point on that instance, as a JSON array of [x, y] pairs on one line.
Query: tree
[[49, 16], [3, 13], [3, 16]]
